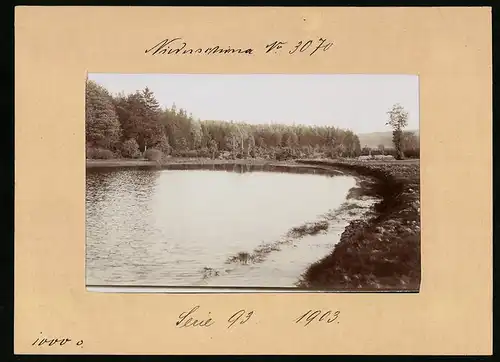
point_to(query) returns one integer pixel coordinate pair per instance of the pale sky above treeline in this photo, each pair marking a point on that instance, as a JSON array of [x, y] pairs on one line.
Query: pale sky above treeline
[[351, 101]]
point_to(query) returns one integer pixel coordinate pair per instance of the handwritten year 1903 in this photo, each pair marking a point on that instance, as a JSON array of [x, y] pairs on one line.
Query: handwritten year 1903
[[308, 46], [319, 316]]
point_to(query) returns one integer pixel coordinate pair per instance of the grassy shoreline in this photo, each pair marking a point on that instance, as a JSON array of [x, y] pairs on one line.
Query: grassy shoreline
[[381, 253], [181, 160]]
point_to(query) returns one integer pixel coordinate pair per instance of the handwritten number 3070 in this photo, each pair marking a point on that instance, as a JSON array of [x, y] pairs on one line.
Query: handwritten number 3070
[[303, 46], [300, 47]]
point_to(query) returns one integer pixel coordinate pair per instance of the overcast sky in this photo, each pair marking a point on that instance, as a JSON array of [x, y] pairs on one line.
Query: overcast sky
[[357, 102]]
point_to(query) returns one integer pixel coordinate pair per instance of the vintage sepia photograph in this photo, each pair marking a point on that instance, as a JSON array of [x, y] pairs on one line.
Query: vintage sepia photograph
[[252, 182]]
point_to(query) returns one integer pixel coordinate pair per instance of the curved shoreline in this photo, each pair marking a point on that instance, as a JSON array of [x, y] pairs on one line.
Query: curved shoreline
[[381, 253], [242, 165], [119, 163]]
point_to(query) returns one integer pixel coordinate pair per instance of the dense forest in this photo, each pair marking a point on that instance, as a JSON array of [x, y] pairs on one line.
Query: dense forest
[[134, 126]]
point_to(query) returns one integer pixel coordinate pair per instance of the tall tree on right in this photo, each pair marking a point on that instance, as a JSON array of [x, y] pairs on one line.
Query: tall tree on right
[[398, 119]]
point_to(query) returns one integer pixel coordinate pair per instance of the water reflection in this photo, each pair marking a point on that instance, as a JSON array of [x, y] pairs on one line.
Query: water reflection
[[164, 226]]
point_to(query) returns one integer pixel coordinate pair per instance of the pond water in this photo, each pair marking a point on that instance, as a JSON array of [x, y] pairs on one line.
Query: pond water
[[166, 227]]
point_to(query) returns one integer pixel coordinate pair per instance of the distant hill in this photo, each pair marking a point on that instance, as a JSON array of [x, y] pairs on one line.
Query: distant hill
[[372, 140]]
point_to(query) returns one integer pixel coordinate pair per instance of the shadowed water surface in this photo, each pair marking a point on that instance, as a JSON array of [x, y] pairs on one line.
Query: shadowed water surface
[[178, 227]]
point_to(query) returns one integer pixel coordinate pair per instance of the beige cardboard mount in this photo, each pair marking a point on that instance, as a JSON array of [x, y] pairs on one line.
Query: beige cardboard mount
[[450, 49]]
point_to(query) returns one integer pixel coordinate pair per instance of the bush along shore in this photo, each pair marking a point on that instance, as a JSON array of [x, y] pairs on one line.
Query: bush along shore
[[381, 253]]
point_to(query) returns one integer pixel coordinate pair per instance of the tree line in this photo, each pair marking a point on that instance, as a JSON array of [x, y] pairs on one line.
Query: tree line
[[134, 125]]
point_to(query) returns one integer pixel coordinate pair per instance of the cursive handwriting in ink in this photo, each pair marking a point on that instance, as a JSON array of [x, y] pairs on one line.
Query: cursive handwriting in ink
[[177, 46], [302, 47], [242, 316], [325, 317], [277, 45], [186, 319], [43, 341]]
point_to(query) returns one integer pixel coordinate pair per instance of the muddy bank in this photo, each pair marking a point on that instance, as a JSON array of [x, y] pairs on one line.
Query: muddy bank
[[382, 252]]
